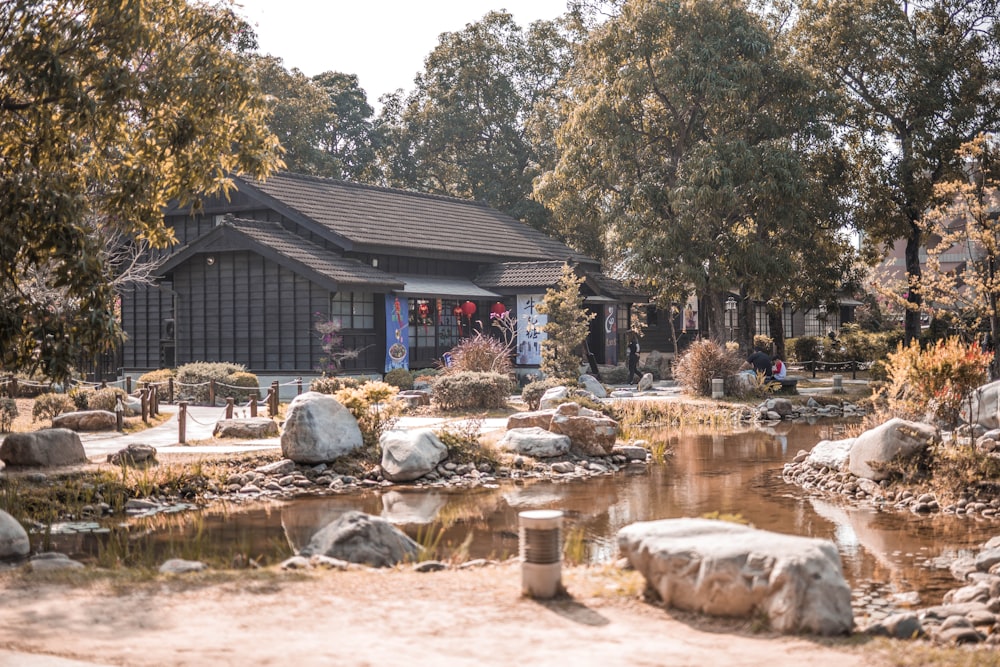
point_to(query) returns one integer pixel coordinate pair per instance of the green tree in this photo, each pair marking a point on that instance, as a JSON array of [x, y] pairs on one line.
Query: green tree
[[466, 130], [349, 137], [918, 79], [109, 110], [684, 150], [566, 328]]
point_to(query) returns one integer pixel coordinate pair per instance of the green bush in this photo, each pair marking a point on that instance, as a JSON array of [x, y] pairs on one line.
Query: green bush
[[331, 384], [533, 391], [157, 377], [373, 406], [81, 397], [48, 406], [8, 413], [469, 390], [193, 378], [105, 399], [806, 348], [703, 361], [400, 378], [241, 379]]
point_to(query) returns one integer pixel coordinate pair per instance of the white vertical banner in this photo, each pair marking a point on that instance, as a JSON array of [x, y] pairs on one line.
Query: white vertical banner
[[529, 329]]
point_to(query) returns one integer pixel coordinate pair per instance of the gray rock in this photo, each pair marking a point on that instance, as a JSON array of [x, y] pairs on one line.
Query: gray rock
[[564, 467], [13, 538], [631, 452], [591, 384], [979, 592], [360, 538], [49, 447], [987, 558], [409, 455], [727, 569], [590, 436], [86, 420], [253, 428], [51, 561], [295, 563], [897, 438], [134, 455], [962, 567], [282, 467], [535, 419], [782, 406], [645, 382], [430, 566], [984, 408], [181, 566], [832, 454], [552, 397], [318, 429], [534, 441], [904, 625]]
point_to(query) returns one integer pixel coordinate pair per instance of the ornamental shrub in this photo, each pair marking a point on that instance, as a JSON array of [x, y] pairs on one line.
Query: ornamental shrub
[[8, 413], [81, 397], [468, 390], [193, 378], [400, 378], [566, 328], [482, 354], [373, 406], [702, 361], [806, 348], [105, 399], [935, 383], [331, 384], [241, 379], [49, 405], [533, 391], [157, 377]]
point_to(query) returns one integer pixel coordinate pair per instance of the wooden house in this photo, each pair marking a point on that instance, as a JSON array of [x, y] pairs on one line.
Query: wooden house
[[257, 278]]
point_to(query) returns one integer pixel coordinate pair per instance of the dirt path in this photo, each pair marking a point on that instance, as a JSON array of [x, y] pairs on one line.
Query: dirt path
[[470, 617]]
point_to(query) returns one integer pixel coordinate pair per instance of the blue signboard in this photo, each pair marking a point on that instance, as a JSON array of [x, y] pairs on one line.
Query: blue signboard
[[397, 334]]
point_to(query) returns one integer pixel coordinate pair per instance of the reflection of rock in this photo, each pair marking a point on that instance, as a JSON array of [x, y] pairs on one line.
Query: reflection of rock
[[405, 508], [360, 538], [536, 495], [727, 569], [304, 518], [857, 526]]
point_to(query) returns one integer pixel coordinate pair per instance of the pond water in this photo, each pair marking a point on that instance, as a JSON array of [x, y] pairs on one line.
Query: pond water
[[739, 473]]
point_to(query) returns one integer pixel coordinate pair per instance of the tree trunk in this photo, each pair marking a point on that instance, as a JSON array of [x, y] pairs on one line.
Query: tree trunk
[[711, 303], [747, 322], [914, 300], [776, 324]]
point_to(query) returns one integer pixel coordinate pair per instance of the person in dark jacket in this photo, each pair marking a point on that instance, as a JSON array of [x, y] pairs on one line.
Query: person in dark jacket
[[633, 359], [760, 362]]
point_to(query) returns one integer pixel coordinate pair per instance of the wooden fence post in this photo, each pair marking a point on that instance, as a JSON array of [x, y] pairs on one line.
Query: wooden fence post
[[229, 407], [298, 386], [253, 405], [144, 399], [211, 392], [182, 422], [119, 413], [170, 390], [273, 407], [128, 384]]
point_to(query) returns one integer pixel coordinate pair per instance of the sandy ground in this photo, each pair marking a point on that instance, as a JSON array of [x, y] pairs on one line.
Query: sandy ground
[[398, 617]]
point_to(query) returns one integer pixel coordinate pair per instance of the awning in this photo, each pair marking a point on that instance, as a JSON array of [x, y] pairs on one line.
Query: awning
[[433, 287], [599, 299]]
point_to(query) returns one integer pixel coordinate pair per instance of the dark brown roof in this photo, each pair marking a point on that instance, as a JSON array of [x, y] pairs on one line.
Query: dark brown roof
[[272, 240], [520, 274], [365, 218]]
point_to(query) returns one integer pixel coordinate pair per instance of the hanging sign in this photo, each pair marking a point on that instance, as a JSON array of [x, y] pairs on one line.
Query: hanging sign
[[529, 330], [397, 333], [611, 335]]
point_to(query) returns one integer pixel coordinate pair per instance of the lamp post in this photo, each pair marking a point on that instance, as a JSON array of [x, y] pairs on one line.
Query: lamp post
[[731, 315]]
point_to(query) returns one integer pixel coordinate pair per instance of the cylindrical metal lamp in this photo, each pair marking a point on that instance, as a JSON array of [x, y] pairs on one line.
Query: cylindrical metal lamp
[[540, 534]]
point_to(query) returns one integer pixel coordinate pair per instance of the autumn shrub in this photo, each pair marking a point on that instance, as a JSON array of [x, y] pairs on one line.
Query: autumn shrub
[[462, 438], [467, 390], [480, 354], [248, 385], [763, 342], [8, 413], [50, 405], [703, 361], [373, 405], [81, 397], [159, 377], [331, 384], [533, 391], [105, 399], [399, 378], [936, 382]]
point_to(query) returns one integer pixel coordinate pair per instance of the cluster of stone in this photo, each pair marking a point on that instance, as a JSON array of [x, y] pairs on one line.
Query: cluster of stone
[[776, 409], [968, 615], [567, 427]]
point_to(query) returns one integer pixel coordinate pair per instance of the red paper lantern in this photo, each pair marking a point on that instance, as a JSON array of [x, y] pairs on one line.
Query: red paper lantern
[[498, 309], [468, 308], [456, 311]]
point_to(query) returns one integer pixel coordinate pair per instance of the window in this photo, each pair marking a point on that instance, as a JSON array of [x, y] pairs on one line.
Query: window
[[354, 310]]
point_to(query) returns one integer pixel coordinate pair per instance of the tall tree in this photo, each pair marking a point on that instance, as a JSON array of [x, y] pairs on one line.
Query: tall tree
[[919, 78], [349, 136], [683, 144], [109, 109], [464, 131]]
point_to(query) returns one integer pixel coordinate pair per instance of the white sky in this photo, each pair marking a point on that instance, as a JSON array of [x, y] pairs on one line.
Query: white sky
[[384, 42]]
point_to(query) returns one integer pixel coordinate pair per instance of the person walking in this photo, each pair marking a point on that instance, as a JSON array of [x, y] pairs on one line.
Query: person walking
[[633, 359]]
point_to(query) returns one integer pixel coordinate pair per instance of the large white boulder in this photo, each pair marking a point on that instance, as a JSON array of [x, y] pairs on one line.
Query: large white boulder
[[593, 385], [984, 408], [360, 538], [13, 538], [538, 418], [48, 447], [552, 396], [590, 432], [832, 454], [895, 439], [318, 429], [409, 455], [534, 441], [726, 569], [251, 428]]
